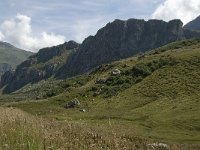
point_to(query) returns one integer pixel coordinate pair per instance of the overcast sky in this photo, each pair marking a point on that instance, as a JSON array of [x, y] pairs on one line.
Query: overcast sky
[[33, 24]]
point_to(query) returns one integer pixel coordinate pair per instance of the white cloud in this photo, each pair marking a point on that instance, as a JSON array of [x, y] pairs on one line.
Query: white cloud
[[83, 28], [186, 10], [1, 35], [18, 31]]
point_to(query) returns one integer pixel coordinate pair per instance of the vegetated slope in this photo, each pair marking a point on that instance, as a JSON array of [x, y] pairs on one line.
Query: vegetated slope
[[156, 95], [194, 24], [40, 66], [11, 56], [123, 39]]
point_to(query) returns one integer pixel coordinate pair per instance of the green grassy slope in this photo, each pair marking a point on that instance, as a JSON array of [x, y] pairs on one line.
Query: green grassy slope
[[155, 96], [12, 55]]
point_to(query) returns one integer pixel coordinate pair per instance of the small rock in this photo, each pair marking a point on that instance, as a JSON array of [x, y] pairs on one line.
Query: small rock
[[159, 146], [83, 110], [116, 72]]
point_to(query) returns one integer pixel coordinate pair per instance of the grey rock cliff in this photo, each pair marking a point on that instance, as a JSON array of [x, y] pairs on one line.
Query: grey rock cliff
[[121, 39], [4, 67]]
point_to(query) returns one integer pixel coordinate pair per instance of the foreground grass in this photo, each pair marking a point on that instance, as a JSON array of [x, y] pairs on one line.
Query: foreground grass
[[21, 131]]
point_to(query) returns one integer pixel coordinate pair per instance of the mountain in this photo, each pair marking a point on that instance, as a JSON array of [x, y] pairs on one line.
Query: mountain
[[123, 39], [11, 56], [40, 66], [117, 40], [194, 24]]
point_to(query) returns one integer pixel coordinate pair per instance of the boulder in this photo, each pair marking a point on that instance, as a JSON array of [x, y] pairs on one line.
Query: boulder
[[73, 103]]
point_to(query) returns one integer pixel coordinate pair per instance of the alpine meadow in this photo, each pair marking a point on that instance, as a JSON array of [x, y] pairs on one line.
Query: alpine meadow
[[132, 85]]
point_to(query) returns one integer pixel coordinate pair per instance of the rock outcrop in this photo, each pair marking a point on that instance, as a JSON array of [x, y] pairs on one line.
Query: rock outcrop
[[122, 39], [6, 78]]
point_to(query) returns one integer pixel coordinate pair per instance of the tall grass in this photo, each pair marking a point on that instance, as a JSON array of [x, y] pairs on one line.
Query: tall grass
[[21, 131]]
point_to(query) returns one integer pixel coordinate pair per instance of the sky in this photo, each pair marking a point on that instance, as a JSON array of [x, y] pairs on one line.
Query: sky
[[34, 24]]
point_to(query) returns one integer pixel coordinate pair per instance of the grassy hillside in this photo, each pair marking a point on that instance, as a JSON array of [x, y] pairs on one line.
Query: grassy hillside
[[12, 55], [156, 96]]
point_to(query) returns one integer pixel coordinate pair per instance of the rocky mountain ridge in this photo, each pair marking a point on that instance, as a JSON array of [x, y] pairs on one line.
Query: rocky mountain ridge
[[117, 40], [123, 39]]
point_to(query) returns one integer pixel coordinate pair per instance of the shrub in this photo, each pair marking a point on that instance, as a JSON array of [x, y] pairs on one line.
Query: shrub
[[141, 70], [50, 93]]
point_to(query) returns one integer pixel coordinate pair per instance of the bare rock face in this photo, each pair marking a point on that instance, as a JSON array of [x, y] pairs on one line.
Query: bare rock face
[[122, 39], [6, 74], [4, 67], [6, 78]]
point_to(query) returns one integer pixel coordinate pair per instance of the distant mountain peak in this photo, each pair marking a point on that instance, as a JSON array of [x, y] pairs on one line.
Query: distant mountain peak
[[6, 45], [10, 57], [194, 24]]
